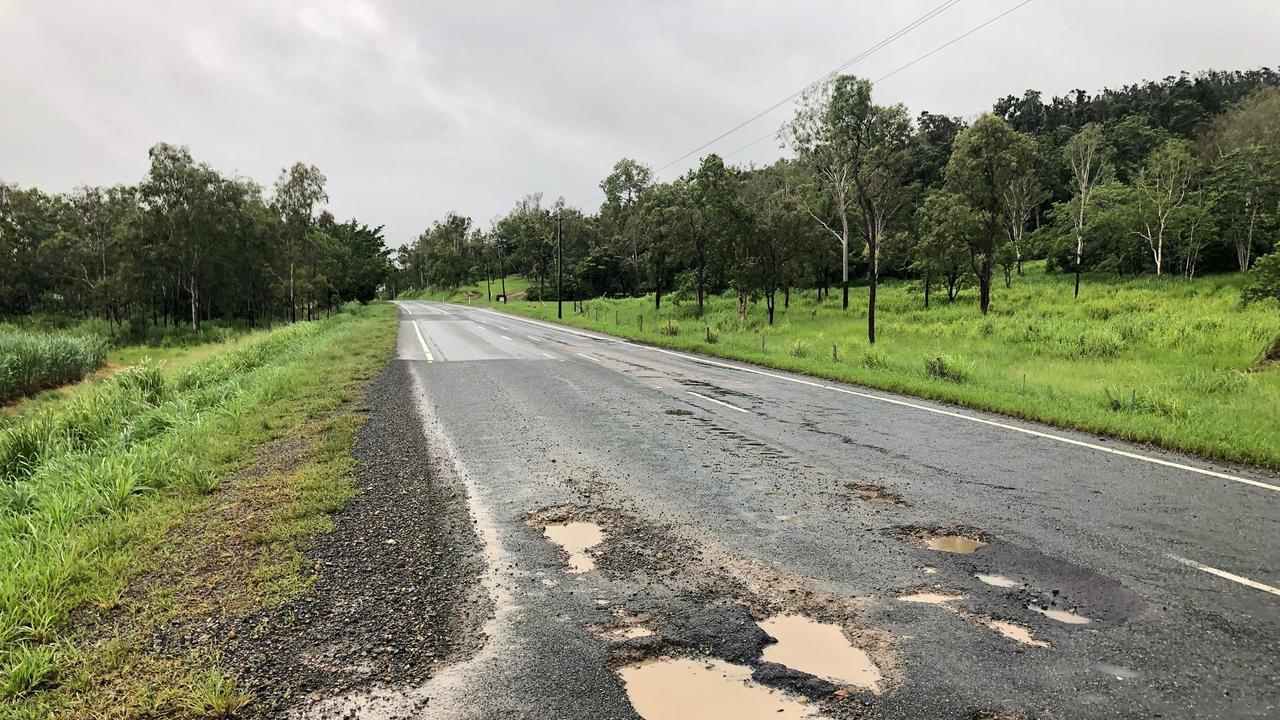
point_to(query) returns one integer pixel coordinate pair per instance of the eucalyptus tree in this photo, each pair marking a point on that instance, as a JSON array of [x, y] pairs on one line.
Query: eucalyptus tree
[[717, 217], [861, 152], [298, 191], [948, 227], [1162, 188], [624, 189], [988, 158], [1088, 156], [665, 218]]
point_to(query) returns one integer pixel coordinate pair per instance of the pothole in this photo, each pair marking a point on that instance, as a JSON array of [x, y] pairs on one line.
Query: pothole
[[679, 412], [931, 597], [819, 649], [1014, 631], [999, 581], [576, 538], [1061, 616], [876, 493], [958, 539], [685, 689], [958, 544]]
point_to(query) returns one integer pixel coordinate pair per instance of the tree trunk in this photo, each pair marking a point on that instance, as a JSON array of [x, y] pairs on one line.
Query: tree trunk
[[769, 301], [844, 259], [873, 272], [926, 290], [786, 297], [195, 304], [742, 305], [984, 283]]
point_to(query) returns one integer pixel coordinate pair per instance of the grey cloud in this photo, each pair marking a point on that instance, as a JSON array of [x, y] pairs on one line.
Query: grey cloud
[[413, 109]]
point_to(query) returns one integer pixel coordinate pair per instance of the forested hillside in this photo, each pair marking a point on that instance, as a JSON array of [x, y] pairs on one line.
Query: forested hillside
[[185, 244], [1175, 177]]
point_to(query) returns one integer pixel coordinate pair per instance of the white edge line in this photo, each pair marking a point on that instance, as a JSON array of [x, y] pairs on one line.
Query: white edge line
[[915, 406], [719, 402], [422, 341], [1226, 575]]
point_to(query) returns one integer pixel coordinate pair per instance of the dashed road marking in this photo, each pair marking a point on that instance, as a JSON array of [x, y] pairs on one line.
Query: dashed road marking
[[504, 337], [1227, 576], [589, 357], [719, 402]]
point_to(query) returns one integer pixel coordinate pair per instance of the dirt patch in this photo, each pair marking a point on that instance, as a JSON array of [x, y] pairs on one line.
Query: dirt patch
[[679, 412], [395, 589], [877, 494]]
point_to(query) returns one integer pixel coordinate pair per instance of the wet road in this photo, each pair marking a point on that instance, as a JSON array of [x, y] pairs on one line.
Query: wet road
[[728, 498]]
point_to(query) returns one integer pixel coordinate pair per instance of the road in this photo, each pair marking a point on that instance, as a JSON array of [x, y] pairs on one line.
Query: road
[[730, 500]]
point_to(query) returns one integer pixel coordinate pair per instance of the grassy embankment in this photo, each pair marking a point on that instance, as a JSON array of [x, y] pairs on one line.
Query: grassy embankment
[[162, 499], [1155, 360]]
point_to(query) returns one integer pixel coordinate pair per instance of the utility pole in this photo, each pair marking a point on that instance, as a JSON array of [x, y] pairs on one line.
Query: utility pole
[[559, 266]]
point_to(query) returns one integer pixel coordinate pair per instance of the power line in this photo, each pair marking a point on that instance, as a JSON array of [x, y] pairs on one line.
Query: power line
[[941, 47], [954, 40], [938, 10], [865, 53]]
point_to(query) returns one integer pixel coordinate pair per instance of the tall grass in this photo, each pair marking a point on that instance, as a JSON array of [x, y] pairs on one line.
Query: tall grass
[[72, 478], [33, 361], [1158, 360]]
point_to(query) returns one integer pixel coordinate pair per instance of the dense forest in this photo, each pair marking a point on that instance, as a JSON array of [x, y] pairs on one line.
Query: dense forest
[[1172, 177], [185, 244]]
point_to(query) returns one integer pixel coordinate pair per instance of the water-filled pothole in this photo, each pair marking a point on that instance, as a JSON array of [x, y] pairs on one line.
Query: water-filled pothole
[[1061, 616], [685, 689], [958, 544], [576, 538], [819, 649], [930, 598], [999, 581], [1014, 631]]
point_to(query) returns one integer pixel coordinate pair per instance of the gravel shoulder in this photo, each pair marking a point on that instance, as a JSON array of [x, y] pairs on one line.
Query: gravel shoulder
[[396, 591]]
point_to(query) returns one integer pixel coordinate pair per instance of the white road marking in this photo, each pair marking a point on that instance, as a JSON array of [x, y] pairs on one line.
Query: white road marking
[[719, 402], [925, 408], [504, 337], [590, 358], [1226, 575], [548, 354], [532, 338], [422, 341]]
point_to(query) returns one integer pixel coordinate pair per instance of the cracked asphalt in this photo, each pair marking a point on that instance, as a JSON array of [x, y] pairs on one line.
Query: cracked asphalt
[[727, 495]]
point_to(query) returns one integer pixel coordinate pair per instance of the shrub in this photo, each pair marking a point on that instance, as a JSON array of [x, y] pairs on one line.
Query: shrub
[[952, 368], [33, 361], [1264, 281], [799, 349], [875, 359]]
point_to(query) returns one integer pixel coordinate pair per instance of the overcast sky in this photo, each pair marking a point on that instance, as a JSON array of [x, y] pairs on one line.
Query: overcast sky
[[413, 109]]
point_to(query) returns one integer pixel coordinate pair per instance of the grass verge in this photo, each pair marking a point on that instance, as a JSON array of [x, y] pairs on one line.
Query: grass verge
[[1162, 361], [134, 516]]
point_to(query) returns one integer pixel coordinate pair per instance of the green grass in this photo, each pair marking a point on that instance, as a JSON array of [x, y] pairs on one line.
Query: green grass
[[143, 504], [33, 361], [1156, 360]]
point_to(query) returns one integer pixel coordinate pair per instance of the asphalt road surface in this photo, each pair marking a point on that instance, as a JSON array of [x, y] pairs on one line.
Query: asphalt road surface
[[711, 501]]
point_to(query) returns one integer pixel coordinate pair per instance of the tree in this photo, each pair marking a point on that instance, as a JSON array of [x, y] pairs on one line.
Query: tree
[[1162, 188], [988, 158], [717, 216], [821, 141], [624, 190], [298, 191], [948, 228], [873, 144], [1087, 154]]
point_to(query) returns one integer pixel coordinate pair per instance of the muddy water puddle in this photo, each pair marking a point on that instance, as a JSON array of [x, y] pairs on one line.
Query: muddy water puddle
[[685, 689], [1014, 631], [576, 538], [957, 544], [1062, 616], [999, 581], [930, 598], [819, 649]]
